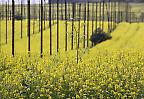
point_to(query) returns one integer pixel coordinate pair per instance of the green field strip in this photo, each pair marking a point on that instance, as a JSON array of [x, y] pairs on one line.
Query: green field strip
[[21, 44]]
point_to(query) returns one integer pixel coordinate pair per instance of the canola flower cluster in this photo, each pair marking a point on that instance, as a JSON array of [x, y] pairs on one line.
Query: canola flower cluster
[[107, 75]]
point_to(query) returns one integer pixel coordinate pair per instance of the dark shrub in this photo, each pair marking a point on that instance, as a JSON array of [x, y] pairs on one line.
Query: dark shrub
[[99, 36], [18, 17]]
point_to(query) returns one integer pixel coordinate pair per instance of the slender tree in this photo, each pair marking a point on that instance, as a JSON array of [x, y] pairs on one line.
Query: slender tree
[[118, 17], [84, 35], [88, 23], [92, 17], [0, 31], [41, 40], [62, 9], [115, 15], [21, 18], [53, 12], [108, 14], [79, 26], [44, 14], [57, 26], [13, 25], [28, 29], [73, 18], [66, 28], [100, 12], [96, 22], [50, 26], [6, 11], [111, 15], [78, 34], [69, 10], [126, 11], [103, 14], [39, 17]]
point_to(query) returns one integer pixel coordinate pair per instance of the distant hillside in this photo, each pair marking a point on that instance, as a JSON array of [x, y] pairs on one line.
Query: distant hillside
[[62, 1]]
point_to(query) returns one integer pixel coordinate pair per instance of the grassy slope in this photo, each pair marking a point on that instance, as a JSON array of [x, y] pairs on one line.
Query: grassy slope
[[21, 44], [125, 36], [126, 39]]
